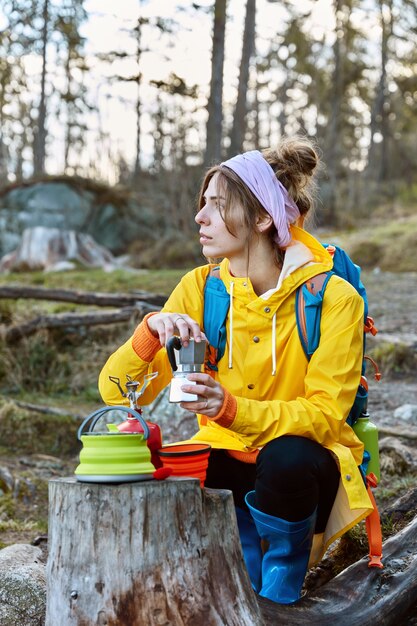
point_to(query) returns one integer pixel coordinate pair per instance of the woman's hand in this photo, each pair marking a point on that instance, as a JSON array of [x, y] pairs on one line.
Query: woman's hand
[[210, 392], [163, 325]]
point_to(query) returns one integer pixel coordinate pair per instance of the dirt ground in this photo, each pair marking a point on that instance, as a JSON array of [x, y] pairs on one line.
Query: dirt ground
[[393, 305]]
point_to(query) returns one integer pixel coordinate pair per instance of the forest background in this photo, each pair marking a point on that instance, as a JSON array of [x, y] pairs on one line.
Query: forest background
[[136, 103], [130, 97]]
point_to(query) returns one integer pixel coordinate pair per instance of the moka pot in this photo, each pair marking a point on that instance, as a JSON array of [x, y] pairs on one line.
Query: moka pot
[[184, 360]]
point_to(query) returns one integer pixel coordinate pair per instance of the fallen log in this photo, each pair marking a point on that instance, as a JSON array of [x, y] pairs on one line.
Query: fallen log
[[48, 410], [14, 292], [397, 432], [401, 509], [394, 516], [64, 320], [359, 595], [396, 457]]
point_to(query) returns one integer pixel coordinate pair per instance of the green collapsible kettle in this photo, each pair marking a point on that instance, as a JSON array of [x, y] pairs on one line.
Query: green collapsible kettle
[[113, 456]]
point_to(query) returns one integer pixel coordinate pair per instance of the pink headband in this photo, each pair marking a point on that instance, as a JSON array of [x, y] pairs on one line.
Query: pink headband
[[259, 176]]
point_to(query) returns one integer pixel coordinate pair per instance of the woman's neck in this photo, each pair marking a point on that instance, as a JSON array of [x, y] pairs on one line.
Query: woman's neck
[[259, 266]]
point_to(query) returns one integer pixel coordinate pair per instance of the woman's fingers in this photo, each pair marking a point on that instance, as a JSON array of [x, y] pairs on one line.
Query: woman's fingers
[[198, 390], [187, 328], [164, 326], [203, 379], [210, 395]]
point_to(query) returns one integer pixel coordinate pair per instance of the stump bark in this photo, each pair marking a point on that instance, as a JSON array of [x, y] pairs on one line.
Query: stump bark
[[147, 553]]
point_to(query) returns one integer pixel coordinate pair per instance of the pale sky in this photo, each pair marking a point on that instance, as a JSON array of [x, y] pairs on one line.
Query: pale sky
[[189, 57]]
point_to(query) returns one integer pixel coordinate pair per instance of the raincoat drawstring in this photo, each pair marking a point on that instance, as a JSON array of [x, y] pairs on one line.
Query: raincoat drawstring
[[232, 284], [274, 345]]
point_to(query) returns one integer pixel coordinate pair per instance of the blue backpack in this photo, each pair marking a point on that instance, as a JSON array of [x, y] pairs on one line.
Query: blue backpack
[[308, 309]]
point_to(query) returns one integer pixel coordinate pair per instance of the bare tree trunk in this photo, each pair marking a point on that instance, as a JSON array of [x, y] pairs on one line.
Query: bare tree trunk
[[283, 100], [40, 134], [237, 136], [68, 126], [256, 121], [137, 166], [215, 106], [4, 166], [169, 553], [378, 167], [334, 135], [387, 26], [159, 135]]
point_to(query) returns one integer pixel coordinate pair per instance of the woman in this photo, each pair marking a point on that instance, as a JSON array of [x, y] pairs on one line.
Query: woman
[[275, 421]]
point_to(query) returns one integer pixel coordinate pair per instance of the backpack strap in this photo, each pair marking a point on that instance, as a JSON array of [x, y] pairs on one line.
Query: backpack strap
[[373, 527], [308, 305], [216, 309]]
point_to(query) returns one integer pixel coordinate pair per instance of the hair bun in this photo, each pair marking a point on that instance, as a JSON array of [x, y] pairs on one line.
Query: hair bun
[[294, 163], [301, 155]]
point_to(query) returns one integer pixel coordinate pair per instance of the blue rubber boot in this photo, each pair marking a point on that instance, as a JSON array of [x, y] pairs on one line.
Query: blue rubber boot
[[284, 565], [251, 546]]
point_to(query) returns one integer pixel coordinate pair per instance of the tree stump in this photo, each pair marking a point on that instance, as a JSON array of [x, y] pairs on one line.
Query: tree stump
[[145, 554]]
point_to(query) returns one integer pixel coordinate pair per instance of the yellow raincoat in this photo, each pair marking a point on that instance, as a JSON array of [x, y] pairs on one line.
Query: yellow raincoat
[[278, 391]]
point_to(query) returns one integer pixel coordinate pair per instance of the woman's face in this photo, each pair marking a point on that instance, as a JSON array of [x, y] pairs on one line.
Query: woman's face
[[216, 240]]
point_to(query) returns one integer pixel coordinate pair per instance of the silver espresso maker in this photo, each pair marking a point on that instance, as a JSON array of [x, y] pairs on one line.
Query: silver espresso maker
[[184, 360]]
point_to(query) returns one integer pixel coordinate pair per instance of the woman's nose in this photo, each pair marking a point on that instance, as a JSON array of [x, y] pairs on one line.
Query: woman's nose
[[200, 218]]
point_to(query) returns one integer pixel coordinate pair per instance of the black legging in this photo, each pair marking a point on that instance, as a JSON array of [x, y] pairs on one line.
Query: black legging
[[292, 477]]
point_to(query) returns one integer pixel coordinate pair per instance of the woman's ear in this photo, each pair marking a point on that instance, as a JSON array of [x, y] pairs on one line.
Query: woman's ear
[[264, 223]]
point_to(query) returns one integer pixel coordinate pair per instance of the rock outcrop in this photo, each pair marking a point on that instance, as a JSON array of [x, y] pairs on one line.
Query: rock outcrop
[[52, 249], [113, 217]]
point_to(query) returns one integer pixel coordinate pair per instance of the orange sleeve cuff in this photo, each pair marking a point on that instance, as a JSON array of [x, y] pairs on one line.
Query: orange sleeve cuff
[[226, 416], [144, 343]]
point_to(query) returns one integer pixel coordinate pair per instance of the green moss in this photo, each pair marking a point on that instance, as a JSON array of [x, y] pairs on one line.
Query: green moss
[[7, 506], [395, 358], [156, 281], [37, 362], [17, 526], [367, 255], [7, 308], [170, 251], [60, 364], [393, 486], [389, 244], [28, 432], [400, 255]]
